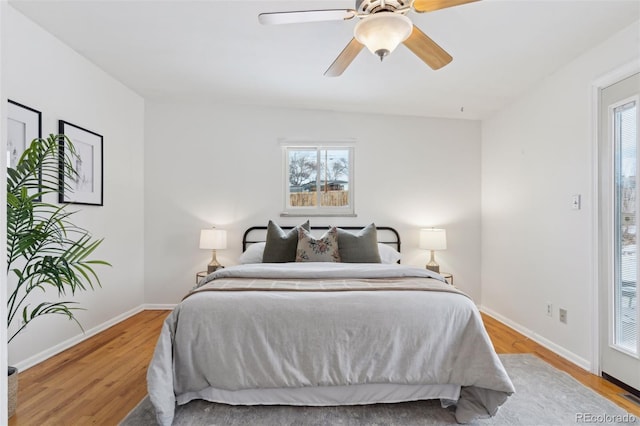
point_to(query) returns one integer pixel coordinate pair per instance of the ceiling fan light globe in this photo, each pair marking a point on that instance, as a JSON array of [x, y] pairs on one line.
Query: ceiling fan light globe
[[383, 32]]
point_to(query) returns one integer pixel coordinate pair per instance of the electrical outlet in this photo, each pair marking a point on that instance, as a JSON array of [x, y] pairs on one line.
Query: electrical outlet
[[549, 309], [563, 315]]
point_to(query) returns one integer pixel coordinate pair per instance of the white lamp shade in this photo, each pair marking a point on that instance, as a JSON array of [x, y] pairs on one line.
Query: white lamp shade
[[213, 239], [383, 31], [433, 239]]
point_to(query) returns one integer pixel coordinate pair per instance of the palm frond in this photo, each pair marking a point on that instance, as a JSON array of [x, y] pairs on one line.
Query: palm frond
[[45, 249]]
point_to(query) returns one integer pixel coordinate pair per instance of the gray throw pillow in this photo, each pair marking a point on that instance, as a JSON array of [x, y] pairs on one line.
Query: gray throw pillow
[[280, 246], [361, 247]]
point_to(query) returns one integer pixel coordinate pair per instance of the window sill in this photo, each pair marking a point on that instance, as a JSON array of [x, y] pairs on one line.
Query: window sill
[[309, 214]]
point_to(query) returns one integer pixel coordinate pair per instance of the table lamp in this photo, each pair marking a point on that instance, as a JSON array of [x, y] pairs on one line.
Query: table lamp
[[433, 239], [213, 239]]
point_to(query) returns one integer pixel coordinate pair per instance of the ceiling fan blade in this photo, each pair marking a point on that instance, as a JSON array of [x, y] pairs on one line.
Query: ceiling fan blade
[[276, 18], [345, 58], [427, 50], [431, 5]]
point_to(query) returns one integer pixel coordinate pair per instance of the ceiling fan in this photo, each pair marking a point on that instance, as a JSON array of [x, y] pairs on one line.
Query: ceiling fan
[[382, 26]]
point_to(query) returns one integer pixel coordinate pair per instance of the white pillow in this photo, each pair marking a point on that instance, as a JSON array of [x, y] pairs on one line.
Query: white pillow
[[253, 254], [388, 254]]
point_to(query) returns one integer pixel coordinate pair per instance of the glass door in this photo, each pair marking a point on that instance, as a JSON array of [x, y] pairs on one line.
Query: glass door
[[619, 149]]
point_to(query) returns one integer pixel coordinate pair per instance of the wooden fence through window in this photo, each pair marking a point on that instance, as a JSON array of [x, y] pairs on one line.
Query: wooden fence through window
[[328, 199]]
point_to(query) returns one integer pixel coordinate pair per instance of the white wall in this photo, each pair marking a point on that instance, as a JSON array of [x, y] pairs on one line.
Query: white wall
[[3, 214], [45, 74], [536, 154], [222, 165]]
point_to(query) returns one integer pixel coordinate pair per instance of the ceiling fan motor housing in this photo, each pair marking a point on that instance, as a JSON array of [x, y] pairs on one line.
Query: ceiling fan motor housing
[[374, 6]]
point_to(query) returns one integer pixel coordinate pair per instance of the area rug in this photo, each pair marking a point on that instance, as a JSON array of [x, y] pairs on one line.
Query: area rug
[[544, 396]]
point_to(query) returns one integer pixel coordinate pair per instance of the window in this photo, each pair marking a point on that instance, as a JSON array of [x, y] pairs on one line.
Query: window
[[626, 261], [318, 179]]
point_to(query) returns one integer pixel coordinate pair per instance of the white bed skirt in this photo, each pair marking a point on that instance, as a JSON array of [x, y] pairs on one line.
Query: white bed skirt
[[326, 395]]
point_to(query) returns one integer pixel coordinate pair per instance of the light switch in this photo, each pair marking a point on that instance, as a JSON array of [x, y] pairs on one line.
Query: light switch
[[575, 202]]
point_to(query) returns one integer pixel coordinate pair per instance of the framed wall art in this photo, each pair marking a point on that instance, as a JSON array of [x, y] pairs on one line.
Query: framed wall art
[[86, 187], [23, 126]]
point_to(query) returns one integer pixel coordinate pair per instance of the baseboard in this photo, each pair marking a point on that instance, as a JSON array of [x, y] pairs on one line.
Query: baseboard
[[557, 349], [38, 358], [158, 307]]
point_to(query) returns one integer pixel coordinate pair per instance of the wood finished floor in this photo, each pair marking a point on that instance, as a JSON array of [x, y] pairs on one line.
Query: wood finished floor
[[98, 382]]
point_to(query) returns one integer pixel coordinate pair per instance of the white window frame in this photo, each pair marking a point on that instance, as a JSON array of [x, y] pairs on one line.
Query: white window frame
[[288, 210]]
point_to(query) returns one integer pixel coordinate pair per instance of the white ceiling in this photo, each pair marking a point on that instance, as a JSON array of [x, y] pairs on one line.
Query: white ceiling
[[216, 51]]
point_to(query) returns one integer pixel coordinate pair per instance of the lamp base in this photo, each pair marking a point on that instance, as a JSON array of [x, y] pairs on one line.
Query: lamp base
[[433, 265], [434, 268], [214, 264], [212, 268]]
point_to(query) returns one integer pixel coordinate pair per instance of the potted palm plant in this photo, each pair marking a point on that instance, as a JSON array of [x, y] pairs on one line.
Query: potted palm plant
[[45, 250]]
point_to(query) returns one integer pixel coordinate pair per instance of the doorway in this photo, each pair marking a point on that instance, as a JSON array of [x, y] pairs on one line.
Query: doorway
[[619, 236]]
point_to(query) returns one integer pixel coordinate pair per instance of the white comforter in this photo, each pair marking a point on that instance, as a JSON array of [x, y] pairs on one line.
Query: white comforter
[[302, 335]]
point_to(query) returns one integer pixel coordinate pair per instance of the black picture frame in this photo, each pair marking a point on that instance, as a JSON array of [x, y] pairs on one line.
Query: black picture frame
[[88, 187], [24, 124]]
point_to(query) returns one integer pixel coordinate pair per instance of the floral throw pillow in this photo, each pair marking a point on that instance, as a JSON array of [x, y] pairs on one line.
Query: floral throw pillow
[[323, 249]]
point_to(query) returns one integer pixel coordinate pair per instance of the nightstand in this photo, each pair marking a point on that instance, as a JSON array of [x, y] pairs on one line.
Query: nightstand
[[200, 275], [448, 277]]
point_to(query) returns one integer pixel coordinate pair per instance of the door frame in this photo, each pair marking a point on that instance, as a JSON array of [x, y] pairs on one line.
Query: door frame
[[597, 85]]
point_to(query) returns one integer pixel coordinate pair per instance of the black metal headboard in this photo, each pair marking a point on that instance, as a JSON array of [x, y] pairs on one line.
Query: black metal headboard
[[257, 234]]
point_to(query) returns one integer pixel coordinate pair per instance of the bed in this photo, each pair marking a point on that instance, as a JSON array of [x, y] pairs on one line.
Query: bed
[[327, 333]]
